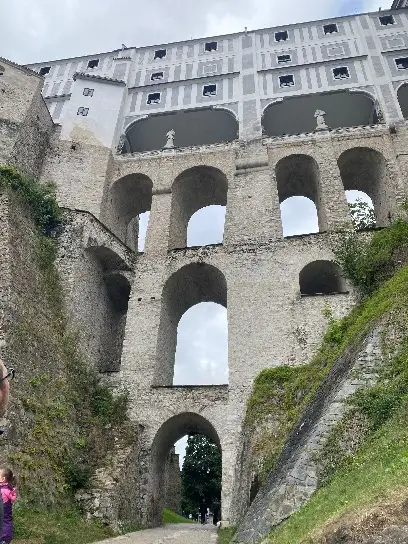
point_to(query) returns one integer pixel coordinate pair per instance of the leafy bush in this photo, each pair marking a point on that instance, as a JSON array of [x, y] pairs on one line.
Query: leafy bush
[[370, 262], [38, 197], [108, 408], [362, 214]]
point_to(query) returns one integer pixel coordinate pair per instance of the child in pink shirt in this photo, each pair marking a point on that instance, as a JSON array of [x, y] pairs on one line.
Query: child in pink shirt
[[8, 494]]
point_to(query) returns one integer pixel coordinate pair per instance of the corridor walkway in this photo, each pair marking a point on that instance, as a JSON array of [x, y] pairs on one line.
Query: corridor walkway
[[182, 533]]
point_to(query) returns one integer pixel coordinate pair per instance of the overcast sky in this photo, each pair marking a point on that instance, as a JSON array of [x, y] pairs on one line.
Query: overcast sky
[[38, 30]]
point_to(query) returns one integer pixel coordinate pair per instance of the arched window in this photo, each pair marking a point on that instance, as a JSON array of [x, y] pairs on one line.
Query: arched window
[[215, 126], [128, 198], [299, 176], [296, 114], [362, 209], [192, 190], [202, 346], [403, 99], [364, 169], [192, 284], [321, 278], [206, 226]]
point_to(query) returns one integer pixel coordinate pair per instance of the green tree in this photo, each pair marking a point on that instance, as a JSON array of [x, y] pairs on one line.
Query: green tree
[[362, 214], [201, 473]]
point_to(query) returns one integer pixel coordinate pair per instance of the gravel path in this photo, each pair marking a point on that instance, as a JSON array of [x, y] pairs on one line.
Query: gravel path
[[183, 533]]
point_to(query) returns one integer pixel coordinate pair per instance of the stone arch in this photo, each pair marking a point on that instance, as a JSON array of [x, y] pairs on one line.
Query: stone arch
[[170, 432], [111, 288], [299, 175], [295, 114], [321, 278], [402, 94], [190, 285], [217, 125], [365, 169], [193, 189], [127, 198]]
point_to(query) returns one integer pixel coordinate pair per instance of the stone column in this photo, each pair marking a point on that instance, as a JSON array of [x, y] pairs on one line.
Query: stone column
[[158, 230], [332, 206], [253, 212]]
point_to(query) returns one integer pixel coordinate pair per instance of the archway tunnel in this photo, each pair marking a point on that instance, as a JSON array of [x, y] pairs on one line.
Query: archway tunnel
[[200, 477]]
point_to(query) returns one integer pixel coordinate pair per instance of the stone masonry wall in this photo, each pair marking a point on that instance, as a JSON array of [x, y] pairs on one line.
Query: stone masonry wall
[[172, 483], [295, 478]]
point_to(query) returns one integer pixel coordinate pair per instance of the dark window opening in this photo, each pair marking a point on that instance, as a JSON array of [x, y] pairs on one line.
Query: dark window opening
[[154, 98], [402, 63], [83, 111], [281, 36], [211, 46], [284, 58], [330, 29], [88, 92], [341, 73], [210, 90], [2, 70], [157, 76], [45, 70], [160, 53], [386, 20], [93, 63], [286, 81]]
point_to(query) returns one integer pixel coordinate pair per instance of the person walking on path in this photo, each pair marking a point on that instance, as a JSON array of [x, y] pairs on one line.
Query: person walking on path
[[8, 495], [5, 377]]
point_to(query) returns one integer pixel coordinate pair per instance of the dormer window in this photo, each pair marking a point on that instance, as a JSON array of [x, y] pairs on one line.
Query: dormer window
[[402, 63], [341, 73], [83, 111], [160, 54], [154, 98], [330, 29], [282, 36], [286, 81], [93, 63], [44, 70], [283, 59], [386, 20], [211, 46], [210, 90]]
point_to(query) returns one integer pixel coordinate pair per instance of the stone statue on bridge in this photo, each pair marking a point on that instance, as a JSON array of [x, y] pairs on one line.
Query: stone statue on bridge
[[321, 121], [170, 139]]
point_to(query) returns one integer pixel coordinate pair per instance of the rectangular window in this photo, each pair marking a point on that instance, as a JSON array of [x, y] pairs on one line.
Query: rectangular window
[[286, 81], [341, 73], [386, 20], [45, 70], [93, 63], [283, 59], [211, 46], [160, 54], [88, 92], [157, 76], [330, 29], [281, 36], [83, 111], [154, 98], [210, 90], [402, 63], [210, 69]]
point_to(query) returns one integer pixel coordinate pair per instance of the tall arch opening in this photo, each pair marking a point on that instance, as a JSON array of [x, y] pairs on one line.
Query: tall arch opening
[[206, 226], [107, 307], [296, 115], [149, 134], [364, 169], [175, 428], [189, 286], [403, 99], [128, 199], [321, 278], [195, 188], [299, 176]]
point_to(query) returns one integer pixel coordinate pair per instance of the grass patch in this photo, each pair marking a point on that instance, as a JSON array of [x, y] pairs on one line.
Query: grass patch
[[226, 534], [168, 516], [55, 527], [376, 472]]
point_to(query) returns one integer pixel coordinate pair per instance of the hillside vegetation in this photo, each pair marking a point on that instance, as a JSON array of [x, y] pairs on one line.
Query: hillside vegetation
[[364, 463]]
